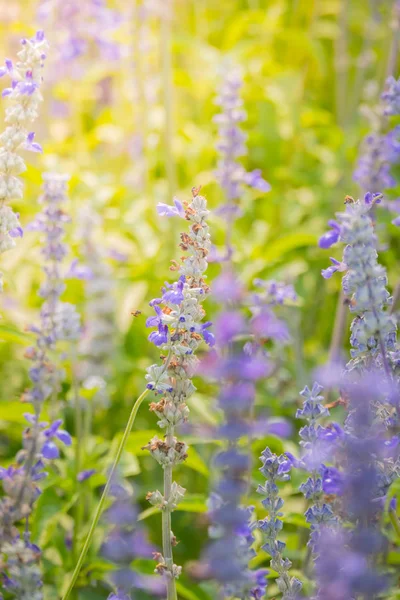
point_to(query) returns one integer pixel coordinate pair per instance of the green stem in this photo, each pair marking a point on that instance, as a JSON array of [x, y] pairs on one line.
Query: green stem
[[166, 525], [394, 521], [100, 505], [78, 461]]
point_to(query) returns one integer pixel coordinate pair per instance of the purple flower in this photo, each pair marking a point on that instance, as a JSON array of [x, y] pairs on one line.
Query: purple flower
[[396, 221], [391, 96], [336, 266], [228, 325], [208, 337], [49, 449], [255, 180], [79, 271], [16, 232], [332, 481], [31, 145], [159, 337], [330, 237], [265, 325], [175, 293], [230, 173], [165, 210], [85, 475]]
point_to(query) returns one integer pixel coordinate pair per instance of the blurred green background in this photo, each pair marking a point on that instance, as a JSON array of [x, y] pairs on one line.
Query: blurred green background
[[135, 131]]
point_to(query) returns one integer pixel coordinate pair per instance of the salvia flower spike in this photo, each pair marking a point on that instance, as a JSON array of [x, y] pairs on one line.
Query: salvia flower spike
[[373, 330], [23, 99], [316, 442], [178, 332], [231, 174], [276, 469], [58, 321]]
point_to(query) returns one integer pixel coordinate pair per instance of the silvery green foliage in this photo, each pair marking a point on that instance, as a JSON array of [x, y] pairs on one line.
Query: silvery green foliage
[[24, 577], [23, 98], [276, 469]]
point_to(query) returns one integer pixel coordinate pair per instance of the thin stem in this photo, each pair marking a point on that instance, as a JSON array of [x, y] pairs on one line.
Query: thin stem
[[78, 461], [103, 498], [338, 329], [166, 525], [394, 46]]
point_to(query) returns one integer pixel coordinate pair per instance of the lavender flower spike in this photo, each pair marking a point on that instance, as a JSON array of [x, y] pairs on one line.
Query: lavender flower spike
[[58, 321], [179, 332], [373, 331], [24, 98], [317, 445], [230, 174], [276, 469]]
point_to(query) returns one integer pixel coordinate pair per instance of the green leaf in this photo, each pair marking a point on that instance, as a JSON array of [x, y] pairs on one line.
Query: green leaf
[[191, 503], [277, 249], [10, 334], [195, 462]]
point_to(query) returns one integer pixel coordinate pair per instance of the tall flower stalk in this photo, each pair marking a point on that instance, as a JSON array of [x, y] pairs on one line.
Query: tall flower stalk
[[373, 330], [238, 366], [316, 443], [366, 453], [24, 98], [276, 469], [231, 175], [58, 321], [179, 330], [347, 553], [80, 25]]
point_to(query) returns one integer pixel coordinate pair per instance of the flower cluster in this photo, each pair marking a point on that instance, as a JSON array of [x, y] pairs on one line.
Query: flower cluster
[[24, 98], [316, 442], [239, 367], [81, 24], [391, 96], [380, 150], [379, 153], [246, 583], [58, 321], [373, 331], [179, 331], [346, 564], [276, 469], [231, 175]]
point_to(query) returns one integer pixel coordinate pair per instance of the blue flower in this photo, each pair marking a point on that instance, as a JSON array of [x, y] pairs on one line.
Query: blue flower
[[330, 237], [159, 337], [165, 210]]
